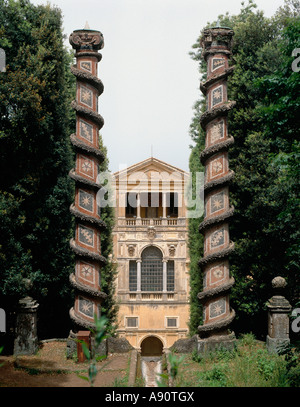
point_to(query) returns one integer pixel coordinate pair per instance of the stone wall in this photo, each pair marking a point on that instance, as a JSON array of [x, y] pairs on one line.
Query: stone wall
[[118, 345], [186, 345]]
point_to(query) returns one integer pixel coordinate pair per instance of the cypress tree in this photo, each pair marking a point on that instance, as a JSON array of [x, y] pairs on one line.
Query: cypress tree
[[35, 158]]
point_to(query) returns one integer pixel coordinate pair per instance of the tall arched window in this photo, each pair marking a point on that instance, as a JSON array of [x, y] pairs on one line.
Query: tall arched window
[[152, 270]]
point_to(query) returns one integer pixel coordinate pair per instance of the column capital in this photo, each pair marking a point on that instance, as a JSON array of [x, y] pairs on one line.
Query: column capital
[[216, 39], [88, 40]]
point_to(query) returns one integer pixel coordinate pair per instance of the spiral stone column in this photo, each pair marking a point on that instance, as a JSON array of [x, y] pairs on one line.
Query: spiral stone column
[[217, 315], [88, 223]]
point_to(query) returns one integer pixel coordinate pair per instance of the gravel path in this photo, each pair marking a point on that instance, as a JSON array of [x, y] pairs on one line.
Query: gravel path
[[50, 368]]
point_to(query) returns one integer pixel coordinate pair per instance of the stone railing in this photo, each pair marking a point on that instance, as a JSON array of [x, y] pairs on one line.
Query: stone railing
[[151, 296], [151, 222]]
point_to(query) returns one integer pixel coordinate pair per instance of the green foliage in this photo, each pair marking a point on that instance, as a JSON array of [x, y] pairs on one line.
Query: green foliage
[[216, 376], [292, 359], [109, 271], [195, 245], [248, 365], [98, 334], [264, 157], [167, 379], [35, 157], [1, 349]]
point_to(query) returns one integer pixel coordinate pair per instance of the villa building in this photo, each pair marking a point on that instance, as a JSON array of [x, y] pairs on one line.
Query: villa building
[[150, 249]]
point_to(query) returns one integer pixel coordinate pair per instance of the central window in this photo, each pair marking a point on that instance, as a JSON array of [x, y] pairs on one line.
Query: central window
[[152, 205], [152, 270], [152, 274]]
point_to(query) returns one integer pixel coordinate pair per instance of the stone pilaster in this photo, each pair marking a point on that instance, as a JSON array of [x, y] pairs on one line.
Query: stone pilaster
[[217, 282]]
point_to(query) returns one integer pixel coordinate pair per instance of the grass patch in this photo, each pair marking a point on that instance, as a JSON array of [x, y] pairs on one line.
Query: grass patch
[[248, 365]]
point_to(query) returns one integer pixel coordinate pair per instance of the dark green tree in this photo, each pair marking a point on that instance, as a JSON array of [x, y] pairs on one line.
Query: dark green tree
[[35, 158], [279, 110], [263, 157], [195, 240], [109, 271]]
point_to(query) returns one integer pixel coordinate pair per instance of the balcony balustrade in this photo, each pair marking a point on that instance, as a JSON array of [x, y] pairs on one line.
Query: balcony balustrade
[[151, 221]]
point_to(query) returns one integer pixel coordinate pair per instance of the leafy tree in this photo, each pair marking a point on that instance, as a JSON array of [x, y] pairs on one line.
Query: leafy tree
[[35, 158], [109, 271], [280, 112], [195, 245], [263, 157]]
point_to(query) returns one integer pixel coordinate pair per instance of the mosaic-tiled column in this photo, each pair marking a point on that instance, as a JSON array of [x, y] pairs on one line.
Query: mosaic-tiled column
[[87, 242], [217, 315]]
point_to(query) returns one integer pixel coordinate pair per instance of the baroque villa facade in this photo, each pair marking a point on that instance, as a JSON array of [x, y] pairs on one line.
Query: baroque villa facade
[[150, 249]]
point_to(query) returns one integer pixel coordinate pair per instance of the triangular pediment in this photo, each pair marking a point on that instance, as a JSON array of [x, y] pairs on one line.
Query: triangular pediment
[[151, 167]]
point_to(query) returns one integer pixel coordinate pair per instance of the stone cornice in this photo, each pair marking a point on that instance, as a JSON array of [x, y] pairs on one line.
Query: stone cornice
[[89, 78], [85, 289], [80, 251], [215, 112], [219, 182], [88, 113], [216, 220], [204, 86], [222, 289], [82, 180], [217, 256], [80, 145], [87, 218], [80, 321], [218, 325], [215, 148]]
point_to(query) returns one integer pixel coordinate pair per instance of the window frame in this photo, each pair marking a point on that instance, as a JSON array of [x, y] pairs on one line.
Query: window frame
[[171, 317]]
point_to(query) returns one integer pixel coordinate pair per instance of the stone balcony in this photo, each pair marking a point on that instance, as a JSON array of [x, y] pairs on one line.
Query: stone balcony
[[144, 222], [152, 296]]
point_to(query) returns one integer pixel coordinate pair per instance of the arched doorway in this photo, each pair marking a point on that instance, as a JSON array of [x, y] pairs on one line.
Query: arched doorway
[[151, 346]]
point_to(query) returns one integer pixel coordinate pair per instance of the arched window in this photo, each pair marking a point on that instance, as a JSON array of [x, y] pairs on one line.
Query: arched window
[[152, 270]]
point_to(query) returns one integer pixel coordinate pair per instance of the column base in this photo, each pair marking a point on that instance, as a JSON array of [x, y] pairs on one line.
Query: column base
[[216, 342], [274, 344]]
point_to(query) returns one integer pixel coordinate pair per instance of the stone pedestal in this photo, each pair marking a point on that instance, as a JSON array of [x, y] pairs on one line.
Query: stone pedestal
[[26, 340], [278, 317]]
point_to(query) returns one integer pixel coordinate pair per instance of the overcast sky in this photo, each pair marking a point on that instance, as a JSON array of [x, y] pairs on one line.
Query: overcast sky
[[150, 81]]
